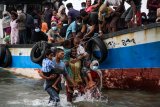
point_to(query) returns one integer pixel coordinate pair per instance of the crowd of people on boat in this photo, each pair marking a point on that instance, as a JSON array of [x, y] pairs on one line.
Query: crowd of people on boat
[[72, 29], [54, 25]]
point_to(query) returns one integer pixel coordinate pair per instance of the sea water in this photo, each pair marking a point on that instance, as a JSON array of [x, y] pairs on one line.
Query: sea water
[[17, 91]]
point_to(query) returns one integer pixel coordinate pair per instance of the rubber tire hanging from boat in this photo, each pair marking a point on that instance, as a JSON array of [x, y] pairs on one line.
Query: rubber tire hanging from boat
[[2, 53], [38, 52], [102, 48], [6, 57]]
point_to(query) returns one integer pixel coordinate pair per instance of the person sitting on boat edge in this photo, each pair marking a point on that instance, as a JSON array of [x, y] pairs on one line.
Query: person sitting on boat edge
[[53, 34]]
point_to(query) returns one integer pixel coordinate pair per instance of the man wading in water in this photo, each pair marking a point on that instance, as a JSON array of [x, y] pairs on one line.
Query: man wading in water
[[59, 68]]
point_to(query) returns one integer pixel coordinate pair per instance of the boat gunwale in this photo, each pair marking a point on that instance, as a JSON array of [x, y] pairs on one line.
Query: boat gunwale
[[131, 30]]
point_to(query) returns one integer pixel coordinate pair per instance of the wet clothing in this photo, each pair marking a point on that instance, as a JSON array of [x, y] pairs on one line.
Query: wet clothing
[[59, 68], [47, 65]]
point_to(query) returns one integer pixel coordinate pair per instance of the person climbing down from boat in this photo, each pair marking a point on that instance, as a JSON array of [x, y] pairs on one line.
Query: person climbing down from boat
[[53, 34], [67, 57], [104, 17], [72, 13], [14, 28], [80, 56], [73, 28], [90, 19], [132, 15], [59, 68]]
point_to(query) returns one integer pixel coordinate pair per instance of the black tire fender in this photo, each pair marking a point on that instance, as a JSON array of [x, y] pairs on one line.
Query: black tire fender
[[2, 53], [7, 58], [38, 52], [102, 47]]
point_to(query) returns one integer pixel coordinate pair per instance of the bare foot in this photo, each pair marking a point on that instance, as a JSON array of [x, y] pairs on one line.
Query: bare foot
[[91, 84]]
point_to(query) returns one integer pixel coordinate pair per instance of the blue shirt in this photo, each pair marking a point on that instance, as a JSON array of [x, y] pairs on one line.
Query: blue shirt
[[47, 65], [60, 65], [71, 28]]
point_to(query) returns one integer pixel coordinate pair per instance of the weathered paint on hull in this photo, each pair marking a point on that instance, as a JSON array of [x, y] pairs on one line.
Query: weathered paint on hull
[[145, 79]]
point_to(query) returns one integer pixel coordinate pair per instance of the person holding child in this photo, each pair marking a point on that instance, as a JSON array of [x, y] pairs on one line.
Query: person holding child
[[51, 70]]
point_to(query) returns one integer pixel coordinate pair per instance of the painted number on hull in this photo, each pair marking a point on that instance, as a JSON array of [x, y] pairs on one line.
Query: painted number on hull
[[128, 41], [122, 43]]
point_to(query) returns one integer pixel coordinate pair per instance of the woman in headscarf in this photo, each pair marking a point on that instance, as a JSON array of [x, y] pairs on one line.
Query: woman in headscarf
[[6, 22], [62, 14]]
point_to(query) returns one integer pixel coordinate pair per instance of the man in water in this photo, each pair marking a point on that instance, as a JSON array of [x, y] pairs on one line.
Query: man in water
[[60, 68]]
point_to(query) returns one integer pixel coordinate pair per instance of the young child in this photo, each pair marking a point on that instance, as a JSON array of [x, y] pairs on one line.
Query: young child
[[47, 68], [14, 28], [55, 17]]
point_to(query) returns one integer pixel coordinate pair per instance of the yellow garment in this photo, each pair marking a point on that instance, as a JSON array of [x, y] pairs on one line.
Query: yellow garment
[[76, 68]]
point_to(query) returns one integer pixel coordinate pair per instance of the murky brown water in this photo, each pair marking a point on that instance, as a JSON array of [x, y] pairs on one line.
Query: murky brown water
[[16, 91]]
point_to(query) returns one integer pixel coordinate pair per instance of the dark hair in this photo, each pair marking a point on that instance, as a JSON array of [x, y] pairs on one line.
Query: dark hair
[[83, 13], [19, 7], [66, 43], [79, 18], [14, 13], [83, 4], [59, 50], [69, 5], [48, 52]]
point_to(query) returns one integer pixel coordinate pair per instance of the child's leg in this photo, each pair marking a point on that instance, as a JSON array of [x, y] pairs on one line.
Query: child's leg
[[56, 82]]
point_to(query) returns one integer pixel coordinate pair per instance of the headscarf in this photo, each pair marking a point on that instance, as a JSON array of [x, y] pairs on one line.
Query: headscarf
[[60, 10]]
